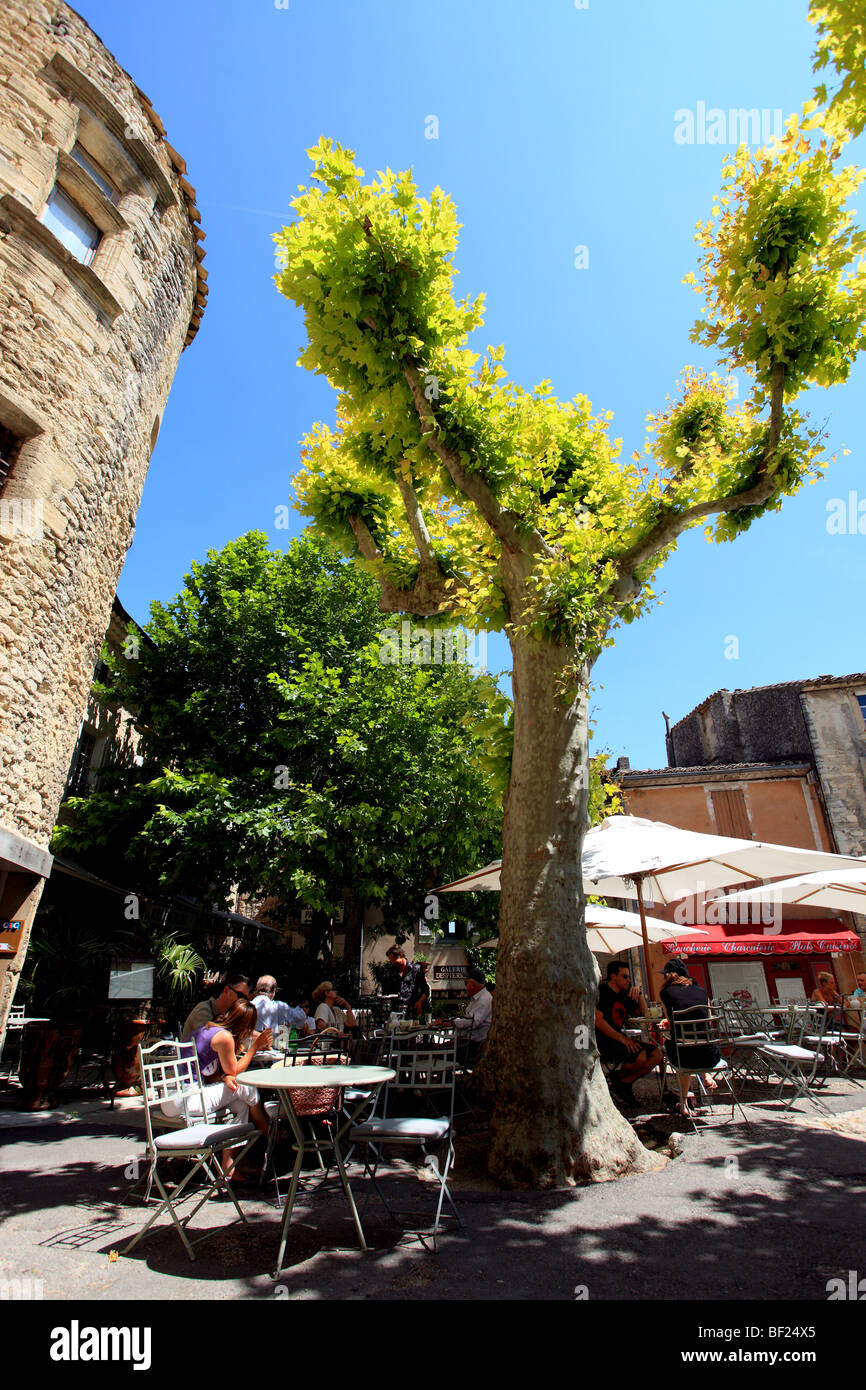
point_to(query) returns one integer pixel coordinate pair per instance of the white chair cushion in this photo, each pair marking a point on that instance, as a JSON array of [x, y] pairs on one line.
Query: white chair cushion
[[791, 1052], [401, 1129], [203, 1136]]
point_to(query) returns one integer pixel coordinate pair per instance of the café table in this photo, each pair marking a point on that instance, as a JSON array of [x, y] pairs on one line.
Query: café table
[[17, 1025], [652, 1032], [286, 1079]]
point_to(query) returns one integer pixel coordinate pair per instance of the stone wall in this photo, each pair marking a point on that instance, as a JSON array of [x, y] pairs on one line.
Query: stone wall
[[89, 344], [742, 726], [838, 736], [86, 361]]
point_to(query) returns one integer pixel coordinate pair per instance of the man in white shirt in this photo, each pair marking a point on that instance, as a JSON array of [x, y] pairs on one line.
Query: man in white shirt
[[273, 1013], [474, 1024]]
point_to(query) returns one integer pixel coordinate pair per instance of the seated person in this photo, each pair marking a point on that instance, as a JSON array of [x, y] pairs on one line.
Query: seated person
[[273, 1013], [299, 1015], [619, 1000], [233, 987], [681, 994], [473, 1025], [333, 1015], [217, 1046], [826, 993]]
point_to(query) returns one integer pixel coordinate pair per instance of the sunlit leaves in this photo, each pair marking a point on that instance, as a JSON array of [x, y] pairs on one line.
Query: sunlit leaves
[[783, 270], [841, 48]]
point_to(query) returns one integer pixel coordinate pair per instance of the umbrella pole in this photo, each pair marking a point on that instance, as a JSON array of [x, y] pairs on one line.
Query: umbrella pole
[[650, 982]]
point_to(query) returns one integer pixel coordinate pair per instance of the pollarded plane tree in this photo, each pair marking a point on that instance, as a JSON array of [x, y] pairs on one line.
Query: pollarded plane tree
[[477, 502]]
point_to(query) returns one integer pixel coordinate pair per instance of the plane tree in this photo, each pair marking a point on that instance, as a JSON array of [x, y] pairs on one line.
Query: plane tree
[[471, 499]]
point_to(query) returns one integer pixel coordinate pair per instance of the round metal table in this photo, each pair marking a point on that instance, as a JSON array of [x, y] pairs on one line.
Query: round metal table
[[284, 1080]]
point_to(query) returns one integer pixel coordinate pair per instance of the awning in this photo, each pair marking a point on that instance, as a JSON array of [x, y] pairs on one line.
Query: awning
[[818, 937]]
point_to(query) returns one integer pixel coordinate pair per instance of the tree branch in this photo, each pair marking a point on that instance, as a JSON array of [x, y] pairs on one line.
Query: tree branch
[[503, 523], [626, 587], [417, 524], [427, 596]]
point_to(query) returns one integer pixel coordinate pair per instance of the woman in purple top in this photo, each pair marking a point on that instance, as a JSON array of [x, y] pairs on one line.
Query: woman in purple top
[[217, 1045]]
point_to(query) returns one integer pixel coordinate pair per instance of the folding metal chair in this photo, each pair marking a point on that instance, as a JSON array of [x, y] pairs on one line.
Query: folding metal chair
[[174, 1076], [692, 1034], [835, 1040], [14, 1028], [425, 1070], [793, 1062]]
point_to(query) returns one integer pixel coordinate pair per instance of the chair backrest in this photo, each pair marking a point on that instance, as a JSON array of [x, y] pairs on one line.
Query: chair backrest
[[425, 1068], [16, 1015], [699, 1026], [173, 1075]]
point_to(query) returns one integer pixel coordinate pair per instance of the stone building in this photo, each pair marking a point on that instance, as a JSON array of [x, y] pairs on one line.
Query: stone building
[[101, 288], [784, 763], [821, 722]]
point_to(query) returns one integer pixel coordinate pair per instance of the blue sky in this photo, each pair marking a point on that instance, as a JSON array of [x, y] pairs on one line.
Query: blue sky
[[555, 130]]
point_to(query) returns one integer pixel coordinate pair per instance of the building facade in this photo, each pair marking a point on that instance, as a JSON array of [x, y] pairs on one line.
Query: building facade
[[101, 288], [786, 764]]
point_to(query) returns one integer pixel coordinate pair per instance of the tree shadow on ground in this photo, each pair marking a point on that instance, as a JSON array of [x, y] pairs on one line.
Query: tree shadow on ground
[[768, 1213]]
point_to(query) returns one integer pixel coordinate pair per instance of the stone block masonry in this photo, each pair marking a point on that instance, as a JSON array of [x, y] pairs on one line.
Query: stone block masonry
[[90, 338]]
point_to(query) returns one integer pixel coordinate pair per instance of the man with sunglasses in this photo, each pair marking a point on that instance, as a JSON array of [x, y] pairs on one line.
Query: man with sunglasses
[[234, 987]]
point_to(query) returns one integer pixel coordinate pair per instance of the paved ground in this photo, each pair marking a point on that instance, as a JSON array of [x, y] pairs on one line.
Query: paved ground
[[768, 1213]]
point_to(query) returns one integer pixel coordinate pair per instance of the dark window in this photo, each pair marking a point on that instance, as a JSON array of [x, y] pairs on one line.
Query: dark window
[[103, 183], [9, 446], [861, 700], [79, 784]]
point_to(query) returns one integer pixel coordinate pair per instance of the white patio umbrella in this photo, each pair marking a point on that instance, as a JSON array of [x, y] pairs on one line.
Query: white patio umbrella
[[671, 864], [840, 890], [486, 880], [610, 930], [627, 856]]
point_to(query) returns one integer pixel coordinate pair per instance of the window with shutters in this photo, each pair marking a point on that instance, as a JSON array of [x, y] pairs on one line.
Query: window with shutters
[[730, 814]]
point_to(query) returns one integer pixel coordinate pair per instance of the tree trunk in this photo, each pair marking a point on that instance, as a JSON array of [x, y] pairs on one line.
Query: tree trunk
[[553, 1120]]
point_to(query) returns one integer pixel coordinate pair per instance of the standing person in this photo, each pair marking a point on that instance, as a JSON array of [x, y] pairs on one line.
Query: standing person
[[234, 987], [407, 981], [683, 994], [619, 1000], [333, 1014]]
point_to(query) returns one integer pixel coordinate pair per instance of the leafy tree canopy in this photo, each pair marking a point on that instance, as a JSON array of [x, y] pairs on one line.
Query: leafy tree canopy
[[282, 754], [439, 468], [841, 27]]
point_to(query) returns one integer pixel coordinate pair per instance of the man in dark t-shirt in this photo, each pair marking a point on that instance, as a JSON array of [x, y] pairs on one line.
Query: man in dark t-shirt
[[618, 1001]]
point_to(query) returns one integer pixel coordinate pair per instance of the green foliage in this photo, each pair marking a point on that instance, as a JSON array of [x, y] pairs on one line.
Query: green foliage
[[282, 756], [841, 27], [781, 282], [424, 422]]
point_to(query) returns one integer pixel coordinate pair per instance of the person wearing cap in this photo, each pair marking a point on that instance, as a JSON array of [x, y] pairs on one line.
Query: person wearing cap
[[473, 1024], [683, 995], [407, 981]]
